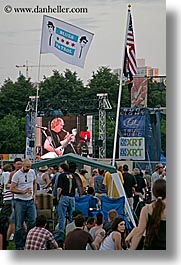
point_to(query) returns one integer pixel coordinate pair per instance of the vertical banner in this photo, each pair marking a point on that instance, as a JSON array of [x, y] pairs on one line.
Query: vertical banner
[[132, 122], [132, 129], [158, 136], [28, 151], [139, 92], [149, 138]]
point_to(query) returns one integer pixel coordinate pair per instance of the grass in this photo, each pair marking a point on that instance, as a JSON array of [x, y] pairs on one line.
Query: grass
[[11, 245]]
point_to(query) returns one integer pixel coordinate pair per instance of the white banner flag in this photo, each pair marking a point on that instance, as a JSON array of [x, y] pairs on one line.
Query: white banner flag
[[69, 43]]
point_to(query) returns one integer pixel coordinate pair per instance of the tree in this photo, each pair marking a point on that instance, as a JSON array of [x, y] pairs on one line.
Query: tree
[[12, 131], [156, 94], [14, 96], [59, 87], [103, 81]]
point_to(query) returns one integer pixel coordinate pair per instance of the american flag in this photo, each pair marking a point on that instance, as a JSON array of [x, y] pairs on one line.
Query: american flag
[[130, 67]]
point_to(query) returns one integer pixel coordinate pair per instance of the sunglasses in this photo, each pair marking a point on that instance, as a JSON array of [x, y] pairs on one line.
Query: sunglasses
[[26, 178]]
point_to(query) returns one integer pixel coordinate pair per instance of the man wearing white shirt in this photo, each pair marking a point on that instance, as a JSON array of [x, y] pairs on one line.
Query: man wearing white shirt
[[23, 186]]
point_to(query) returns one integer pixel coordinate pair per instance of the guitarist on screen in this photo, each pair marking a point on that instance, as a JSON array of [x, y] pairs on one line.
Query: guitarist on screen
[[57, 139]]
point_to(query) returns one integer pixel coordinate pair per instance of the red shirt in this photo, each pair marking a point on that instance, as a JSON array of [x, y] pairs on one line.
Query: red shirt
[[85, 136]]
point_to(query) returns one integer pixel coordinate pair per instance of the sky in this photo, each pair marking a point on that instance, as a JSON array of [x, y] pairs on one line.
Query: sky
[[21, 36]]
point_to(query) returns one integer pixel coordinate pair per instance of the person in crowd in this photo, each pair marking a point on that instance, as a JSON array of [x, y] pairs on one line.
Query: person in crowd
[[97, 232], [6, 209], [156, 175], [66, 189], [129, 185], [57, 139], [91, 179], [39, 237], [89, 223], [153, 221], [140, 188], [99, 187], [112, 214], [82, 173], [108, 182], [43, 180], [129, 237], [71, 226], [84, 136], [54, 180], [120, 168], [164, 173], [23, 186], [17, 164], [116, 239], [147, 178], [78, 238], [7, 195], [50, 172], [72, 170], [94, 202], [141, 184], [84, 140]]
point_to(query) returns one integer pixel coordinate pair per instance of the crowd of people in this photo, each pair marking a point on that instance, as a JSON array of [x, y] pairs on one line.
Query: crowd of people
[[20, 185]]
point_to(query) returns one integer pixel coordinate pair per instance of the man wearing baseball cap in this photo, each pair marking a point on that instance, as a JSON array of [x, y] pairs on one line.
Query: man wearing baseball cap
[[156, 175]]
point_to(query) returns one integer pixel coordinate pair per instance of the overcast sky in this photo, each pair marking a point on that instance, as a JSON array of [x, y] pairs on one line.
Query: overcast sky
[[21, 35]]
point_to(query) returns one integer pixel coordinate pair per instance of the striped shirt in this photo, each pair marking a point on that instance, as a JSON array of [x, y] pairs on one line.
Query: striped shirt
[[37, 239], [7, 195]]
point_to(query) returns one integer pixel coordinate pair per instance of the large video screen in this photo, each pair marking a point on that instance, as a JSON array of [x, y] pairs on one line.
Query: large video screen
[[62, 135]]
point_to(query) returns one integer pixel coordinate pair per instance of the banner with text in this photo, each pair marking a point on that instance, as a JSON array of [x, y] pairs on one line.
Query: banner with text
[[132, 122], [132, 148], [68, 42]]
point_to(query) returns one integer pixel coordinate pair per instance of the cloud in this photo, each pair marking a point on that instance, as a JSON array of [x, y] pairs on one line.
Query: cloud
[[89, 22]]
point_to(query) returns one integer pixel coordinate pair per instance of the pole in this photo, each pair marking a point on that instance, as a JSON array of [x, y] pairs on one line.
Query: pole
[[36, 107], [120, 90]]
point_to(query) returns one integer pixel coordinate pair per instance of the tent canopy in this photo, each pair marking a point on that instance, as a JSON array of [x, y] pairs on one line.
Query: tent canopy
[[75, 158], [89, 162]]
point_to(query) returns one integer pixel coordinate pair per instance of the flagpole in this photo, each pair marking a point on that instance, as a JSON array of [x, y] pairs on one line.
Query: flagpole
[[120, 90], [36, 106]]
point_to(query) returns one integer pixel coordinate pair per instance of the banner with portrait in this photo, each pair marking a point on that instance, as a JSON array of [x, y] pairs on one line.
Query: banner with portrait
[[139, 92]]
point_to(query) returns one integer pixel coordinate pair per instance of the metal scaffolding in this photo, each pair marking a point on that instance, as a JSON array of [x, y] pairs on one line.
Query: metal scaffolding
[[31, 131], [104, 105]]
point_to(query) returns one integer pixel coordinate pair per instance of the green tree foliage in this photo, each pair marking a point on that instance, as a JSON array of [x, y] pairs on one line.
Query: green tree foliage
[[12, 131], [59, 87], [103, 81], [14, 96], [156, 94]]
